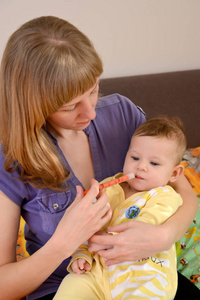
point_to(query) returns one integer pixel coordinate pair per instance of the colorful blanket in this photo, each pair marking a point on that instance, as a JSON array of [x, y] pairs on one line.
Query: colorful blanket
[[21, 243], [188, 248]]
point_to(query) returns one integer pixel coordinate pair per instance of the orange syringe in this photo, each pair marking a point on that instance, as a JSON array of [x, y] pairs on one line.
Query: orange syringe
[[114, 181]]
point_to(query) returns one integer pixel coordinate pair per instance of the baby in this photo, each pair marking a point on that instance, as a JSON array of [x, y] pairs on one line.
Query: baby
[[154, 156]]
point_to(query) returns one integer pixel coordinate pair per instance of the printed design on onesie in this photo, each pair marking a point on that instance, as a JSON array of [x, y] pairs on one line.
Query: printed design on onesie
[[132, 212]]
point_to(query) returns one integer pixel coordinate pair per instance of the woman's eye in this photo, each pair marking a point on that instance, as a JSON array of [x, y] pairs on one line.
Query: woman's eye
[[70, 108], [94, 92]]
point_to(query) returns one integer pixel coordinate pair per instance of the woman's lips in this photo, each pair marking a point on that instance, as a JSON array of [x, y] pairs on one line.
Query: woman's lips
[[84, 123]]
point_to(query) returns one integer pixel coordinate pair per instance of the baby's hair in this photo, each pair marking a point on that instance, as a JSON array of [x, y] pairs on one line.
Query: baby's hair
[[168, 127]]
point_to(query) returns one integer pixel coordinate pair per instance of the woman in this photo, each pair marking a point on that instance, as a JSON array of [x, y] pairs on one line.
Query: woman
[[55, 137]]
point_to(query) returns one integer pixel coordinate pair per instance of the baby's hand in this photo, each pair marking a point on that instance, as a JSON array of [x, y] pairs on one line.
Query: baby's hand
[[80, 266]]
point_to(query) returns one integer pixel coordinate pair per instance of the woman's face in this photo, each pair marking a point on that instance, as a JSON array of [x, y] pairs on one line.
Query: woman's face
[[76, 114]]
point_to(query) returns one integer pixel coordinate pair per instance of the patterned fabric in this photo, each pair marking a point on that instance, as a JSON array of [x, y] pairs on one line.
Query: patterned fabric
[[188, 248], [21, 243]]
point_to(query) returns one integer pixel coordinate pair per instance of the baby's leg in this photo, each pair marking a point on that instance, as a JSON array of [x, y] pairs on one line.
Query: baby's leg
[[79, 287]]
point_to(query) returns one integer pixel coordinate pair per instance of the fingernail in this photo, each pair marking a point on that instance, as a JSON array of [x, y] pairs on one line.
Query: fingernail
[[94, 201]]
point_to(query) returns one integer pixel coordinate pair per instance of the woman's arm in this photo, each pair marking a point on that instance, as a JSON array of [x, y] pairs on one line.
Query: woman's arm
[[136, 240], [183, 218], [70, 233]]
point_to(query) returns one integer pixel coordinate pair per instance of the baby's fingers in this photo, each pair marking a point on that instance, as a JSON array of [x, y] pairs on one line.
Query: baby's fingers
[[81, 263], [75, 267], [87, 266]]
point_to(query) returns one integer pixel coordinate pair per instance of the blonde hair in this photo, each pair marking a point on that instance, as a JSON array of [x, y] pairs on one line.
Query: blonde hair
[[168, 127], [47, 62]]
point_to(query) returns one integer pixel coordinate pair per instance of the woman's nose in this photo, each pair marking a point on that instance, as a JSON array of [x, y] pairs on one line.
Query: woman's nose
[[88, 109]]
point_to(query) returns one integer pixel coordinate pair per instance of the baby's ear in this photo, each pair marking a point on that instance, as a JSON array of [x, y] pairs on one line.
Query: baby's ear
[[178, 170]]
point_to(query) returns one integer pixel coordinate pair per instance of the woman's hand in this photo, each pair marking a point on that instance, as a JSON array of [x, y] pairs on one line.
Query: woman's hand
[[135, 240], [93, 247], [82, 219]]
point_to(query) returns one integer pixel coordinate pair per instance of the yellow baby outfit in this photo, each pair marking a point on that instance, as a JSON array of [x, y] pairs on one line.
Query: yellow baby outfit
[[150, 278]]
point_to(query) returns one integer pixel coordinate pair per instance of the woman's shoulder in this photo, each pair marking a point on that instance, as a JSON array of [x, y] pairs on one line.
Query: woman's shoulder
[[122, 108], [119, 102], [112, 99]]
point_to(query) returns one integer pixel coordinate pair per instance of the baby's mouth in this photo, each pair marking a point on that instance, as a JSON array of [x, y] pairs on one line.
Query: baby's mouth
[[138, 177]]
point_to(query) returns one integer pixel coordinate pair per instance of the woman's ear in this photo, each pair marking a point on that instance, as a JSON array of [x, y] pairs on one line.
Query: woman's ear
[[178, 170]]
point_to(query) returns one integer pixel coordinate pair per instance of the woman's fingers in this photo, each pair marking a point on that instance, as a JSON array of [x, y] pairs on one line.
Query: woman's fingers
[[91, 195], [103, 239], [127, 244], [83, 218], [104, 209], [79, 196], [120, 227], [94, 247], [99, 203]]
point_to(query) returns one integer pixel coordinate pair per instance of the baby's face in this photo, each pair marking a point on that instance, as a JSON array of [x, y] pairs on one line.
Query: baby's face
[[152, 160]]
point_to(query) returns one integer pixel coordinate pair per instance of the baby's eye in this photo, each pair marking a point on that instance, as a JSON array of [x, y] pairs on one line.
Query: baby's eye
[[154, 163], [135, 158]]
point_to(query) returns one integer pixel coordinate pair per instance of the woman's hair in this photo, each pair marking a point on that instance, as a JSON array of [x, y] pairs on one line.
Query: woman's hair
[[168, 127], [47, 62]]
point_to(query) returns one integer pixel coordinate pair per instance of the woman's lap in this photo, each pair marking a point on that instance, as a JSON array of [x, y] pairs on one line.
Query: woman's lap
[[47, 297], [186, 289]]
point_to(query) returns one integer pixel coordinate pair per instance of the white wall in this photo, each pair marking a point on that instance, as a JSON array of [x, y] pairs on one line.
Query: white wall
[[131, 36]]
